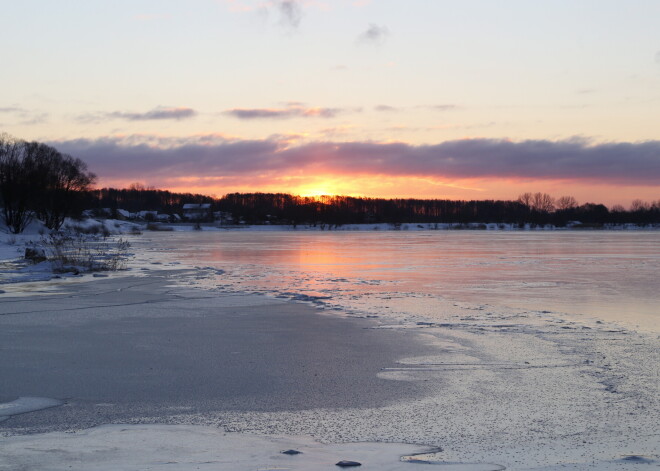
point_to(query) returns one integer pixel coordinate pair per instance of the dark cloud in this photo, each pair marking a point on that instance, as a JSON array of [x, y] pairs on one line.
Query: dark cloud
[[293, 110], [114, 158], [155, 114], [290, 13], [24, 116], [385, 108], [623, 163], [262, 113], [11, 109], [374, 34]]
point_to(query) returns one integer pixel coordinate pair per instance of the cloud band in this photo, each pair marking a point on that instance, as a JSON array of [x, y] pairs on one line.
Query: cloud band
[[577, 159]]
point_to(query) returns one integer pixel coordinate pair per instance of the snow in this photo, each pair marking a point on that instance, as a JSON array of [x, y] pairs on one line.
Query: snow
[[529, 390], [526, 387], [15, 269], [182, 448]]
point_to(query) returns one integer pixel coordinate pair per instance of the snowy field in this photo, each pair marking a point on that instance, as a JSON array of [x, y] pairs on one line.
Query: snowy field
[[540, 354]]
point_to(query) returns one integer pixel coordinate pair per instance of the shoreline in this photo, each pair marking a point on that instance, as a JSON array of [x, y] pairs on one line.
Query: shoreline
[[478, 378], [68, 425], [383, 226]]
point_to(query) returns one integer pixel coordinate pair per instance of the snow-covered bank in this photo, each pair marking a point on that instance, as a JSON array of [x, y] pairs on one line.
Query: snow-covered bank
[[38, 254], [187, 448]]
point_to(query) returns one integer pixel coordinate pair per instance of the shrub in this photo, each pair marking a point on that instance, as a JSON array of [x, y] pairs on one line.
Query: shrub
[[81, 252]]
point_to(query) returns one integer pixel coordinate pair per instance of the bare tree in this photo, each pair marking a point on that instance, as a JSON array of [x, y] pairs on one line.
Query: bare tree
[[35, 179], [526, 199], [15, 176], [137, 186], [543, 202], [639, 205], [60, 179], [566, 202]]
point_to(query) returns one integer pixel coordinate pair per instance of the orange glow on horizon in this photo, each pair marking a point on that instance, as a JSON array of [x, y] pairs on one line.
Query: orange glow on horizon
[[385, 186], [321, 187], [314, 192]]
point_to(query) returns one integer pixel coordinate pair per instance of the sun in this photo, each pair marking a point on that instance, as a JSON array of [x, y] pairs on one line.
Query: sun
[[314, 192], [320, 186]]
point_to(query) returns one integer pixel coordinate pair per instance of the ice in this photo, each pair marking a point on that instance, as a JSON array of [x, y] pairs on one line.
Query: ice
[[189, 448], [546, 349], [544, 337], [23, 405], [585, 276]]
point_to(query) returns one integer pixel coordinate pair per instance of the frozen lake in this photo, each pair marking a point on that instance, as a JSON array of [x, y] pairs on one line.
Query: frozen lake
[[524, 350], [583, 276]]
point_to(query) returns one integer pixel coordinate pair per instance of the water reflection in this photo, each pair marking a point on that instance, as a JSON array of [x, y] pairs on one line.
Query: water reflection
[[610, 275]]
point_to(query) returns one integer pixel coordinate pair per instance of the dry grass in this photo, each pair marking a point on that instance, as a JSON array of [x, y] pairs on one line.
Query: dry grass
[[83, 252]]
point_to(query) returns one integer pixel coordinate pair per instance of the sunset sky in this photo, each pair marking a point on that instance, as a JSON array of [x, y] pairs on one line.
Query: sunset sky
[[469, 99]]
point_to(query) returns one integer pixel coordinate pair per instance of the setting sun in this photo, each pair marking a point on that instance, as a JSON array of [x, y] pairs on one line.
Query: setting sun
[[320, 186], [315, 192]]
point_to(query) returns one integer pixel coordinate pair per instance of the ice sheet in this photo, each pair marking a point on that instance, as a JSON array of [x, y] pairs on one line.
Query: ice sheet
[[23, 405], [527, 387]]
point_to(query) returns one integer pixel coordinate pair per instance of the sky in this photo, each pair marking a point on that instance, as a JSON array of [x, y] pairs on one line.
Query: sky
[[469, 99]]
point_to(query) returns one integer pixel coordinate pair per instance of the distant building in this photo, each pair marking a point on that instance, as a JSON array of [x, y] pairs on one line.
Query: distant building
[[147, 215], [196, 211], [223, 217], [123, 214]]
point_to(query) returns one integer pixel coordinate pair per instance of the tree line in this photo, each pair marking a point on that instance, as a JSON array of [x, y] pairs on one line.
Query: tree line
[[36, 180], [534, 208], [283, 208], [140, 198]]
